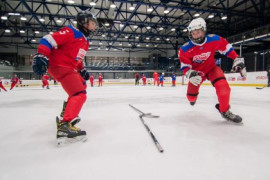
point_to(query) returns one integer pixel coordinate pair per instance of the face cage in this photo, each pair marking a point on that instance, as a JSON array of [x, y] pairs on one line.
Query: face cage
[[199, 40]]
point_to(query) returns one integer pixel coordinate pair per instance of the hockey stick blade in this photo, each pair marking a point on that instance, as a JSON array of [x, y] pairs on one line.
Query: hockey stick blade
[[261, 87]]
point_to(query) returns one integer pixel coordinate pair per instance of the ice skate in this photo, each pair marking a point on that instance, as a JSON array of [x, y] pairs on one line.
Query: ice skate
[[73, 122], [230, 117], [66, 134], [192, 103]]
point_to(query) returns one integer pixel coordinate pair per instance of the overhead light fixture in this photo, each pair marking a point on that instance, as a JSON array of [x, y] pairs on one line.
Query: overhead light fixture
[[197, 15], [100, 43], [121, 25], [184, 30], [148, 27], [4, 17], [157, 39], [14, 14], [75, 22], [138, 45], [7, 31], [103, 35], [161, 28], [33, 40], [147, 45], [22, 31], [224, 17], [92, 3], [41, 19], [147, 38], [149, 9], [211, 16], [70, 1], [23, 18], [58, 21], [107, 24], [131, 7], [167, 39], [126, 37], [137, 37], [135, 26], [113, 6], [129, 44], [166, 11], [120, 44], [173, 29], [155, 45], [36, 32]]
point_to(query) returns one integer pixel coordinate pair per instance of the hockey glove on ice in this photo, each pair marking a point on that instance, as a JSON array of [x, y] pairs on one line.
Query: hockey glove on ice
[[85, 74], [239, 66], [194, 77], [40, 64]]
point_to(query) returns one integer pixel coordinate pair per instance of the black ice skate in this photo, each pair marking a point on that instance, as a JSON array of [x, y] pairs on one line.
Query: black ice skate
[[66, 133], [229, 116], [192, 103]]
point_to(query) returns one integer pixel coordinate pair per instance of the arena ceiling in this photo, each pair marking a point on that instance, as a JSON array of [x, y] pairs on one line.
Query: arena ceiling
[[136, 25]]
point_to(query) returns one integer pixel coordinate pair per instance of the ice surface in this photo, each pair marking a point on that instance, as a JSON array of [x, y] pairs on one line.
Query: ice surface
[[198, 144]]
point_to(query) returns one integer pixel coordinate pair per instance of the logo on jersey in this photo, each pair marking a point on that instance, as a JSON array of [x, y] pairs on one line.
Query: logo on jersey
[[201, 57], [80, 55]]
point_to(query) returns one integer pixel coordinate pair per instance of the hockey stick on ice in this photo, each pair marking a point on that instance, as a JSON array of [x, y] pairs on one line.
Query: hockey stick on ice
[[149, 115], [261, 87]]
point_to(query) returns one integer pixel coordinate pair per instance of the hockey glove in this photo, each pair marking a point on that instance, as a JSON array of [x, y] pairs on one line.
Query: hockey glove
[[85, 74], [239, 66], [194, 77], [40, 64]]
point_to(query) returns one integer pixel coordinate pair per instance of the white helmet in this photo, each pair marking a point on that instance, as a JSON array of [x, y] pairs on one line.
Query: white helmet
[[198, 23]]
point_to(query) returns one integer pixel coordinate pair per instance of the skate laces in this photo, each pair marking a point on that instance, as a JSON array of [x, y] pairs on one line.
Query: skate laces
[[74, 128], [229, 114]]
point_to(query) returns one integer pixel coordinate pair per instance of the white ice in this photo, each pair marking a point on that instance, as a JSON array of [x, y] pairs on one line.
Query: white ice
[[198, 143]]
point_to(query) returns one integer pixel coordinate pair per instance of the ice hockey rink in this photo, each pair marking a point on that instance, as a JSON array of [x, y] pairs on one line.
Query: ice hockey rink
[[197, 142]]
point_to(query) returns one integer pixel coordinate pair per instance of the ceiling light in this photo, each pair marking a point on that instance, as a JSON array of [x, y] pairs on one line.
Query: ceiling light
[[22, 31], [197, 15], [184, 30], [103, 35], [100, 43], [120, 44], [129, 44], [150, 9], [166, 11], [41, 19], [211, 16], [157, 39], [121, 25], [7, 31], [138, 45], [148, 27], [33, 40], [4, 17], [14, 14], [155, 45], [113, 6], [147, 45], [173, 29], [75, 22], [92, 3], [107, 24], [36, 32], [131, 7], [147, 38], [167, 39], [135, 26], [161, 28], [137, 37], [224, 17], [71, 2], [58, 21], [23, 18], [126, 37]]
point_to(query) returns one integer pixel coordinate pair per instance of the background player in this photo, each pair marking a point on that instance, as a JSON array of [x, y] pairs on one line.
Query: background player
[[100, 78], [44, 80], [198, 63], [1, 85], [92, 80], [173, 79], [14, 80], [64, 52], [155, 78], [161, 79], [137, 79], [144, 79]]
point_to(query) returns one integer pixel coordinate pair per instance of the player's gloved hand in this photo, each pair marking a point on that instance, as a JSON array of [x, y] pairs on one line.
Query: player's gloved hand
[[239, 66], [218, 55], [85, 74], [40, 64], [194, 77]]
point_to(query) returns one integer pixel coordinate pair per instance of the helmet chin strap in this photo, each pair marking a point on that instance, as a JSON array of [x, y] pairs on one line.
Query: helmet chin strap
[[200, 42]]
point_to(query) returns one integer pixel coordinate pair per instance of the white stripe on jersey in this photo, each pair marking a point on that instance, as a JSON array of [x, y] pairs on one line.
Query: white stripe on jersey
[[50, 39], [185, 65], [228, 47]]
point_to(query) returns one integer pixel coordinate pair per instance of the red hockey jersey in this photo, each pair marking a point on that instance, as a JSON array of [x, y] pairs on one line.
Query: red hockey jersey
[[201, 57], [65, 48]]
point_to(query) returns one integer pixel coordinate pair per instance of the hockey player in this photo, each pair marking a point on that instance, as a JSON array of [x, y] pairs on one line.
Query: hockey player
[[144, 79], [1, 85], [62, 53], [173, 79], [44, 80], [92, 80], [14, 81], [268, 75], [161, 79], [155, 78], [137, 79], [100, 78], [198, 63]]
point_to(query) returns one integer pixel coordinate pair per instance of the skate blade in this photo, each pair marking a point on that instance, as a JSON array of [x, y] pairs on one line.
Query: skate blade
[[65, 141]]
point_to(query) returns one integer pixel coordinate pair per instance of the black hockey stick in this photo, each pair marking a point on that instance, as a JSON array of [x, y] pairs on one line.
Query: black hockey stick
[[261, 87], [149, 115]]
